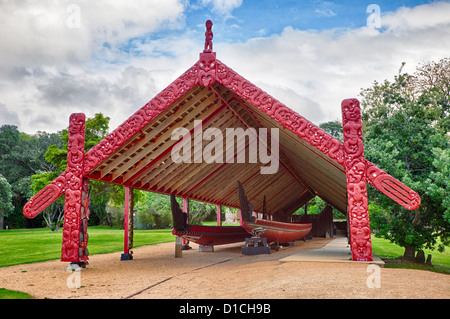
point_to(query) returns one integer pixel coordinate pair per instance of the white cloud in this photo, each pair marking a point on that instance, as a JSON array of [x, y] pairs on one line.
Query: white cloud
[[422, 17], [48, 71], [328, 66], [9, 117], [55, 32], [56, 59], [325, 8], [223, 8]]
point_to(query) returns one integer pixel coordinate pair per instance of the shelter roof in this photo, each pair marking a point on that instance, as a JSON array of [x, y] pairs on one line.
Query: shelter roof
[[139, 152], [211, 99]]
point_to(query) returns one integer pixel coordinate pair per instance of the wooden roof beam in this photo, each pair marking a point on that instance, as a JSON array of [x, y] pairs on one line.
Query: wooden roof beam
[[129, 179], [300, 181]]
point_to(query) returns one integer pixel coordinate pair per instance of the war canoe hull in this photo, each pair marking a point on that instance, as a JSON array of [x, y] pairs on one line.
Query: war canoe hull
[[213, 235], [275, 231]]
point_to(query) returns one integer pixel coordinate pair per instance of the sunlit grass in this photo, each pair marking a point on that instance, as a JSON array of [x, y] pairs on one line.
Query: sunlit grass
[[21, 246]]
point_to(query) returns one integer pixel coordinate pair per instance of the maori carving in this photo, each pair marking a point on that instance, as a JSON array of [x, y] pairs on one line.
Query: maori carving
[[73, 189], [45, 197], [207, 69], [83, 252], [208, 37], [392, 188], [355, 166]]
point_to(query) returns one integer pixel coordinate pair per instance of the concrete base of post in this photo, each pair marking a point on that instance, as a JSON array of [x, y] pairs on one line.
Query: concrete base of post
[[178, 247], [206, 248], [126, 256]]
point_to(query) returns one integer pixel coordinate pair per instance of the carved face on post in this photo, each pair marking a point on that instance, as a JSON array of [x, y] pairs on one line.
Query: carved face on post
[[207, 69]]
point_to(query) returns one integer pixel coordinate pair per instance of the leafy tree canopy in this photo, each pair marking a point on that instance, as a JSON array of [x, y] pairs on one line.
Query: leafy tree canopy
[[406, 124]]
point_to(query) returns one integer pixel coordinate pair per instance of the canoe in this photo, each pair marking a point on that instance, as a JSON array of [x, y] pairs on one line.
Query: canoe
[[275, 231], [204, 235], [213, 235]]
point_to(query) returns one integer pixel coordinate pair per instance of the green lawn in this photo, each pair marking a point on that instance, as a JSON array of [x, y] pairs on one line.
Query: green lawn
[[20, 246], [11, 294], [386, 250]]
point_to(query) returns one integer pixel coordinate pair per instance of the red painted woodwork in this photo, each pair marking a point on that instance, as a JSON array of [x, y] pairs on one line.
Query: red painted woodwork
[[391, 187], [213, 235], [128, 220], [73, 190], [45, 197], [277, 232], [208, 37], [85, 212], [356, 172]]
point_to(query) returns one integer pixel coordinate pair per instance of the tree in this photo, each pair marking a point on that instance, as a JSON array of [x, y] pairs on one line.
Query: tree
[[6, 206], [406, 133], [334, 128], [22, 155]]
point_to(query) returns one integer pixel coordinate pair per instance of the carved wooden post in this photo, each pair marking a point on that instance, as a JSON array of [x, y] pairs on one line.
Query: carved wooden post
[[73, 191], [85, 212], [128, 224], [355, 167]]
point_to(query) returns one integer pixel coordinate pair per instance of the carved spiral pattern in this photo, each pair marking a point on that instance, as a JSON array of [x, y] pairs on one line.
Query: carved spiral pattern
[[45, 197], [355, 166], [73, 189]]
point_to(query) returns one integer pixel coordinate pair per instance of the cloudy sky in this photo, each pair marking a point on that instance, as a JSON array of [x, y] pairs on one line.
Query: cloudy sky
[[112, 56]]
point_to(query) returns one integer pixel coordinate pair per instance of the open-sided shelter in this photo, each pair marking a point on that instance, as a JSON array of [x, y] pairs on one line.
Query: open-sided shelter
[[201, 106]]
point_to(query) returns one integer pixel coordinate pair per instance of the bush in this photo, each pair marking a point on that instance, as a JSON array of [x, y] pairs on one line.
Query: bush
[[150, 218]]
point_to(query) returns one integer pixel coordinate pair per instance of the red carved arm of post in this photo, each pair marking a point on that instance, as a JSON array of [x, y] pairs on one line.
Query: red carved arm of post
[[45, 197]]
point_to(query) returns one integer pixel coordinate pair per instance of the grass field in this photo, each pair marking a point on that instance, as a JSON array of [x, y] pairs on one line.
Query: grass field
[[21, 246], [386, 250], [11, 294]]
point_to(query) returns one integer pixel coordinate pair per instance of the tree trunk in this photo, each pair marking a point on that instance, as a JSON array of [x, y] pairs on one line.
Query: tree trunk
[[409, 254]]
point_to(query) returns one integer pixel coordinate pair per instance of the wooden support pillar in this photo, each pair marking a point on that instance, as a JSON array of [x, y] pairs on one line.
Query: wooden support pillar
[[128, 224], [186, 210], [73, 189], [356, 172], [178, 247], [219, 215]]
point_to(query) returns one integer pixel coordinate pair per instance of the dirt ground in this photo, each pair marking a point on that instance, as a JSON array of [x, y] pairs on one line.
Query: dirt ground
[[225, 273]]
